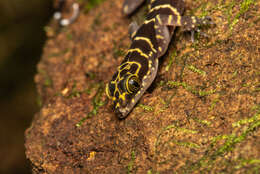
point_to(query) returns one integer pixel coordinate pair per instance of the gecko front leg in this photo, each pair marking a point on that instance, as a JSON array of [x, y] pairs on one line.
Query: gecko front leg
[[129, 6]]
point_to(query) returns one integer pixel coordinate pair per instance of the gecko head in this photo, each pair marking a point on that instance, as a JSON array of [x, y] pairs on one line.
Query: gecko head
[[127, 86], [123, 91]]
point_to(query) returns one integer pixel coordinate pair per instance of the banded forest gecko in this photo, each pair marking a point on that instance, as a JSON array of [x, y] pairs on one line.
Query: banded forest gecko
[[149, 42]]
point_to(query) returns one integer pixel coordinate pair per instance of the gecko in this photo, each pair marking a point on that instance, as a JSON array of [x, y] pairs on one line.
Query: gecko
[[150, 41]]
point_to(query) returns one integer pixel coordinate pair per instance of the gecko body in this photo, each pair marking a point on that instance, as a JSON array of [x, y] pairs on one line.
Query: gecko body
[[150, 41]]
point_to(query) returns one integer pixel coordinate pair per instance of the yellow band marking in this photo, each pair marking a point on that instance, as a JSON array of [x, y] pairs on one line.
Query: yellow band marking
[[107, 92], [159, 36], [159, 19], [129, 63], [128, 66], [148, 21], [174, 10], [148, 41], [169, 19], [122, 96], [139, 51], [133, 34], [119, 78]]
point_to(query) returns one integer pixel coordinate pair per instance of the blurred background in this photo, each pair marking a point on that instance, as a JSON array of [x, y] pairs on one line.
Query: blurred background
[[22, 38]]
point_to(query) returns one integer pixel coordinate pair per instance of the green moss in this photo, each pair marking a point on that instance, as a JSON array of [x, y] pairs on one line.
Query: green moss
[[47, 80], [214, 140], [69, 36], [165, 102], [230, 142], [234, 74], [200, 93], [232, 139], [149, 172], [74, 91], [196, 70], [146, 107], [187, 144], [177, 128], [256, 107], [118, 52], [91, 75], [184, 130], [203, 122], [213, 104], [39, 101], [90, 4], [97, 102], [96, 22], [229, 11], [244, 6], [247, 121], [172, 55], [249, 162], [172, 84], [205, 93], [130, 165]]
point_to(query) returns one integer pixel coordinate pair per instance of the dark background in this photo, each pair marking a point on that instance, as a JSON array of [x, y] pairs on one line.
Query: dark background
[[22, 38]]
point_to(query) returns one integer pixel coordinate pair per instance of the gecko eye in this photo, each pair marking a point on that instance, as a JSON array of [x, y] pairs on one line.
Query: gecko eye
[[133, 84]]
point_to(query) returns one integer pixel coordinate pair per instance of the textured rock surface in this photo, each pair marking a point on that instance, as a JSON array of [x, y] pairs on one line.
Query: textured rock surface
[[201, 113]]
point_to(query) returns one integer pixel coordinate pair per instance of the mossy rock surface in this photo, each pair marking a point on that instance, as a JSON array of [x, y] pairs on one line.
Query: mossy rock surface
[[202, 113]]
